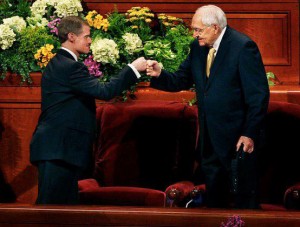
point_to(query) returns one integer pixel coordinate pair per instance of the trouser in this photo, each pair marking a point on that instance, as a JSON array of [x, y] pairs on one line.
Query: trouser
[[57, 182], [219, 180]]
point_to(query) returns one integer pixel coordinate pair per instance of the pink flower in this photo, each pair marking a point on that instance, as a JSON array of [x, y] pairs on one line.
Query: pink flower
[[93, 66], [53, 25], [234, 221]]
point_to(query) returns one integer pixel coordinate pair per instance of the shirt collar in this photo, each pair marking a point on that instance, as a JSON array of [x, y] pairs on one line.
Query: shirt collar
[[218, 41], [74, 55]]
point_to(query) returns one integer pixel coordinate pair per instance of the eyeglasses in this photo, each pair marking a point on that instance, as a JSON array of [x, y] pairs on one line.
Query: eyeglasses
[[200, 30]]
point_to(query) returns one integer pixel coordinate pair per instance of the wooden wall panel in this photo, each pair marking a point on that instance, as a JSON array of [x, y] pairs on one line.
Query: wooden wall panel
[[275, 48], [273, 24], [18, 122]]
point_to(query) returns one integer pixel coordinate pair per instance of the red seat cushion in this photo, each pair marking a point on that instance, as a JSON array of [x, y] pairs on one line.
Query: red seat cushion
[[87, 184], [119, 195]]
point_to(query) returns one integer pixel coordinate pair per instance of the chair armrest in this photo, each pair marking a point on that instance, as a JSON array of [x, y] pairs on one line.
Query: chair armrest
[[87, 184], [178, 193], [196, 196], [292, 197]]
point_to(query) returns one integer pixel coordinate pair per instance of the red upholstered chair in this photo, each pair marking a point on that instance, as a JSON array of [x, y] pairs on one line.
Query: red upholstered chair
[[145, 154], [142, 148], [278, 167], [280, 155], [292, 197]]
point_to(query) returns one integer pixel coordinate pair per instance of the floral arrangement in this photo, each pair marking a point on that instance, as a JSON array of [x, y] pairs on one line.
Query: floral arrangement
[[28, 37]]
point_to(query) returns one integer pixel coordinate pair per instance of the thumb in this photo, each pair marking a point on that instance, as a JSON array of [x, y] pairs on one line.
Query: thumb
[[238, 145]]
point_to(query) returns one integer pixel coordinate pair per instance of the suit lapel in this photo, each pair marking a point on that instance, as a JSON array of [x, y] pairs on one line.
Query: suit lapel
[[203, 51], [221, 54]]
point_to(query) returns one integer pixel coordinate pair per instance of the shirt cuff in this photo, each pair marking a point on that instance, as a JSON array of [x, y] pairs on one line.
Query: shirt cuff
[[138, 75]]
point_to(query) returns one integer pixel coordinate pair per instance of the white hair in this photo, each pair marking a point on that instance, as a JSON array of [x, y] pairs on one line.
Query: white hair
[[211, 14]]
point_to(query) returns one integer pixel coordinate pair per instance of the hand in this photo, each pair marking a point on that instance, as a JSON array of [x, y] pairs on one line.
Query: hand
[[140, 64], [248, 144], [153, 68]]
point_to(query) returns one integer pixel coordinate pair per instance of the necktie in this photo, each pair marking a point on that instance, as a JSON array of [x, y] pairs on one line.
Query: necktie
[[210, 59]]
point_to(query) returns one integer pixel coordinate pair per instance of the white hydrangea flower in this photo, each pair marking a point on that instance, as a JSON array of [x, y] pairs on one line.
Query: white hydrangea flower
[[16, 23], [133, 43], [53, 2], [37, 21], [39, 7], [105, 50], [68, 8], [7, 36]]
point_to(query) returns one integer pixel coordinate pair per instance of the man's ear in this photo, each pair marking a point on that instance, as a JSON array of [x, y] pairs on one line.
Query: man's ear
[[71, 37], [217, 28]]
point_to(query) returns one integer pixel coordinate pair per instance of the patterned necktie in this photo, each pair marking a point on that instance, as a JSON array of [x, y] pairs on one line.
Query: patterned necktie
[[210, 60]]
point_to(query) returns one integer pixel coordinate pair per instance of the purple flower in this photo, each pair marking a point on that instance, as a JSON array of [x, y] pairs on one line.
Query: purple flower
[[234, 221], [53, 25], [93, 66]]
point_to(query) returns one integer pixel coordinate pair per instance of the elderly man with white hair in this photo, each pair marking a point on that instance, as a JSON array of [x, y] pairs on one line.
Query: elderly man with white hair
[[232, 97]]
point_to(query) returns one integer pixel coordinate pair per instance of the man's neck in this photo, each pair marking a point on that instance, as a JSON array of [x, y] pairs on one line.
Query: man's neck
[[75, 56]]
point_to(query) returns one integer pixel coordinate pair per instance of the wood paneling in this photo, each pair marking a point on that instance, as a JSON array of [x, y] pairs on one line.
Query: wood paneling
[[78, 216], [273, 24], [18, 121]]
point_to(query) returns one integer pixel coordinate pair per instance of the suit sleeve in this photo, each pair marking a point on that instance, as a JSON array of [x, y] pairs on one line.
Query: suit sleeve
[[86, 84], [255, 88]]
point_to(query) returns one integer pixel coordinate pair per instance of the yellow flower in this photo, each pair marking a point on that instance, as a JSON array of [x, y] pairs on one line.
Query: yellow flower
[[37, 56], [44, 55], [49, 47], [145, 9], [97, 21], [105, 24], [136, 8], [149, 14], [133, 19]]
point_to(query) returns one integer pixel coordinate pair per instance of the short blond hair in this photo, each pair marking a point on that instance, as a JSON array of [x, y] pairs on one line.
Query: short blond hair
[[70, 24]]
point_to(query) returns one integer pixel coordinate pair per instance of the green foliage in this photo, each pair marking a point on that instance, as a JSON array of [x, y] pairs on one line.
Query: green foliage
[[271, 78], [15, 62], [10, 8], [180, 38], [171, 49], [117, 25], [32, 38], [20, 57]]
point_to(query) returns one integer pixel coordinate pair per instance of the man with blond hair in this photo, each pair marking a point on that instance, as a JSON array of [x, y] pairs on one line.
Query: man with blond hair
[[61, 146]]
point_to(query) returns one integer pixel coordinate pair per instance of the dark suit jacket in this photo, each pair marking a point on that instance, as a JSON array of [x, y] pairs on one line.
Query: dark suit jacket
[[234, 100], [66, 127]]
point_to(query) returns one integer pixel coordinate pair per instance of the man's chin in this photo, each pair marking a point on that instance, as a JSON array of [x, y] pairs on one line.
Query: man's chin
[[201, 42], [85, 51]]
